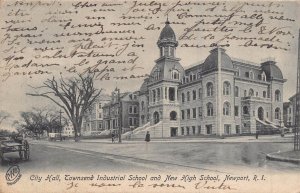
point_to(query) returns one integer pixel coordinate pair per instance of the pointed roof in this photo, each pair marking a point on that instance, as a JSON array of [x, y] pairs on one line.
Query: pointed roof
[[167, 35]]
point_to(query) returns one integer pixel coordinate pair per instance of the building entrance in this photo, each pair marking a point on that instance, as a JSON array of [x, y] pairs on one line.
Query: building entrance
[[174, 131]]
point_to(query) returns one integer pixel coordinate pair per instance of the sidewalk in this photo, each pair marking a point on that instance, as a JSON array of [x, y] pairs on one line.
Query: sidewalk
[[289, 156], [235, 139]]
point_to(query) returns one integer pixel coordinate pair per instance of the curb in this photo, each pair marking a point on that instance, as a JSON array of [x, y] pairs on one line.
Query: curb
[[276, 157]]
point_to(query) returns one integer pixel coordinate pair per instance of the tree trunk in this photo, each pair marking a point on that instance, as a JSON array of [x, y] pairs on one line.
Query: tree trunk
[[76, 137]]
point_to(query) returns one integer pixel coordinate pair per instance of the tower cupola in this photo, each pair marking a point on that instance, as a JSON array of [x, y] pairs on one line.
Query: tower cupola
[[167, 41]]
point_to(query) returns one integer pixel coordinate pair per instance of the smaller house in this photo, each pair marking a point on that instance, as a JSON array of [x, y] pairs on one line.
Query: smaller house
[[124, 107]]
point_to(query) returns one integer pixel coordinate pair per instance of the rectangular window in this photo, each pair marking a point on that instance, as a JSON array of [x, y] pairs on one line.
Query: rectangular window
[[236, 111], [194, 130], [130, 121], [208, 129], [130, 109], [135, 110], [227, 129], [237, 129], [182, 131], [194, 113], [182, 114], [200, 93], [247, 74], [188, 113], [199, 129], [200, 111], [187, 131], [135, 121]]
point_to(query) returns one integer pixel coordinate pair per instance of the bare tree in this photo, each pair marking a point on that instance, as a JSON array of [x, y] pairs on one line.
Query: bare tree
[[3, 115], [74, 95]]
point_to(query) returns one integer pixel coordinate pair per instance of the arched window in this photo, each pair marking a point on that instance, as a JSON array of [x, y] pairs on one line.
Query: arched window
[[277, 95], [143, 105], [209, 89], [226, 88], [173, 116], [226, 109], [156, 117], [245, 110], [277, 113], [260, 113], [194, 95], [210, 110], [251, 92], [188, 96], [175, 74], [182, 97], [154, 96], [236, 91]]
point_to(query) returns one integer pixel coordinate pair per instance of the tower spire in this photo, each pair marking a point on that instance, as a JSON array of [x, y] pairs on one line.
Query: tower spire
[[167, 22]]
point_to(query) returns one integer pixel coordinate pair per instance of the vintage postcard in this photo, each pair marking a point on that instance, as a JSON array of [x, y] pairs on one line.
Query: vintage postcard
[[149, 96]]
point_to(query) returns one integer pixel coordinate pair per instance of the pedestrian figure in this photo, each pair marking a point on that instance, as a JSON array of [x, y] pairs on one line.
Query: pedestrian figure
[[256, 135], [147, 139], [112, 137]]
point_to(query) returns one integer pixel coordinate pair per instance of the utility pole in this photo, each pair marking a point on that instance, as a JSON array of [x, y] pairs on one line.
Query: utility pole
[[120, 116], [297, 111], [60, 112]]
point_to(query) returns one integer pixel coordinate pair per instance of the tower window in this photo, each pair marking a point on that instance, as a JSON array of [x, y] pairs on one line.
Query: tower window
[[209, 89], [226, 109], [226, 88], [277, 95], [210, 111]]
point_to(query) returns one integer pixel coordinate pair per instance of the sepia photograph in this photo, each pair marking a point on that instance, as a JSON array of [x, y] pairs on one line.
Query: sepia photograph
[[149, 96]]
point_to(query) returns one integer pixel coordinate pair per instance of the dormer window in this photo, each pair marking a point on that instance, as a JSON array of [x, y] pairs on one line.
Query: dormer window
[[191, 77], [237, 73], [198, 75], [156, 74], [175, 74], [187, 79], [251, 75], [263, 76]]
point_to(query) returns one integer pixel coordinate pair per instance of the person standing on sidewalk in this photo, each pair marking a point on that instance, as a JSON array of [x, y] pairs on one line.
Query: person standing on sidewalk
[[112, 137], [147, 138]]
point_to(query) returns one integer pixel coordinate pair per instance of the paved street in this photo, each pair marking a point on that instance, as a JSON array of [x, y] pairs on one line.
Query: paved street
[[54, 159], [214, 156]]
